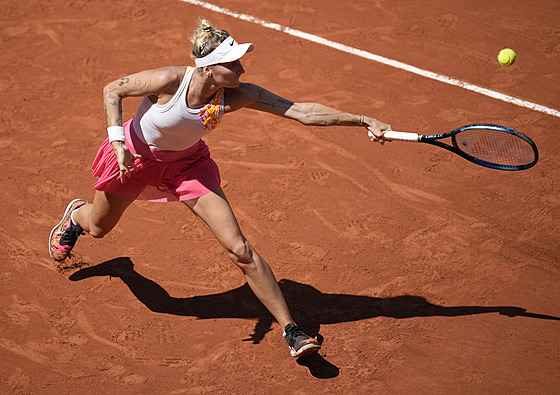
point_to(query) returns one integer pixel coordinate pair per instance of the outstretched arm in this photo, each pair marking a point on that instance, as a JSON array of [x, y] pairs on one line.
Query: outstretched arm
[[255, 97]]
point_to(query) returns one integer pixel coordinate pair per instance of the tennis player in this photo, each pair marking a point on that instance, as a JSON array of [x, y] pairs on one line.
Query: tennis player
[[160, 156]]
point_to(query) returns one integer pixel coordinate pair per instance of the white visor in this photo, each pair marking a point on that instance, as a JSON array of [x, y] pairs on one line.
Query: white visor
[[228, 51]]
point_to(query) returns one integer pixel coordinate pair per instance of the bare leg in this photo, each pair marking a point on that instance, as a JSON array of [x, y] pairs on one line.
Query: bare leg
[[100, 217], [214, 211]]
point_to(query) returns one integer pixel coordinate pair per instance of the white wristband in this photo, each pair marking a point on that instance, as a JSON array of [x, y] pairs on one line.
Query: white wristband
[[116, 133]]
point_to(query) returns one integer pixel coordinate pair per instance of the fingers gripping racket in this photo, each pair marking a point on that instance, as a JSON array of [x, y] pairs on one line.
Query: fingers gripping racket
[[493, 146]]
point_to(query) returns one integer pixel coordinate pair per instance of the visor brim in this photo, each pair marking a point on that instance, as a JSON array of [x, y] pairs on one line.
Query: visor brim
[[237, 52]]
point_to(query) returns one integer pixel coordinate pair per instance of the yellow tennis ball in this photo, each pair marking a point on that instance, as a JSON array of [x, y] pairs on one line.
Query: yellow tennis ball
[[506, 57]]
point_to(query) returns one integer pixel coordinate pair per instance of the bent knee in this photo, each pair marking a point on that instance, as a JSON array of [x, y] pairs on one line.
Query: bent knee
[[241, 253]]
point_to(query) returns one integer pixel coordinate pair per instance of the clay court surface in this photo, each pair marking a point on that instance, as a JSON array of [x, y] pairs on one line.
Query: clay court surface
[[420, 272]]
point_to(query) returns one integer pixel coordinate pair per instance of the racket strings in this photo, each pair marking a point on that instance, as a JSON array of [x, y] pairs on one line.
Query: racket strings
[[495, 147]]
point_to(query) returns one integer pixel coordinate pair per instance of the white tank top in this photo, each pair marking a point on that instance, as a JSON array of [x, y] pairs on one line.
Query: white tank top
[[174, 126]]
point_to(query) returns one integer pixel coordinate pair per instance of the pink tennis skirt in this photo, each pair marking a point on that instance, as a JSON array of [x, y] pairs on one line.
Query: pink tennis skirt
[[162, 176]]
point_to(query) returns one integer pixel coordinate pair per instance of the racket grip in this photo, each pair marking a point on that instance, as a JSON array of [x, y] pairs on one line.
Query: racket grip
[[401, 136]]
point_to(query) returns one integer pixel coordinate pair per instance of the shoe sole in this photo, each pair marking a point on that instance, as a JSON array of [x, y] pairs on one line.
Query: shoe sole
[[60, 223], [305, 350]]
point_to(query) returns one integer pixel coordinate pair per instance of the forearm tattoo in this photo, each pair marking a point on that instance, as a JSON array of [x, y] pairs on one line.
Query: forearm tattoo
[[320, 115], [112, 101]]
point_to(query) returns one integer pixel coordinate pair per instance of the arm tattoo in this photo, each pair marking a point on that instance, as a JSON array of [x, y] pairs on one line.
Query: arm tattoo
[[308, 113], [320, 115], [272, 101], [136, 87], [111, 101], [117, 91]]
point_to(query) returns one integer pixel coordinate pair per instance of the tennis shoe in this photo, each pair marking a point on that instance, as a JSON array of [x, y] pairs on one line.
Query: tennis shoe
[[300, 344], [64, 235]]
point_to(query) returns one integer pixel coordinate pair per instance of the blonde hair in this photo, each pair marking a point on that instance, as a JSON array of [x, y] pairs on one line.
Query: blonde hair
[[206, 38]]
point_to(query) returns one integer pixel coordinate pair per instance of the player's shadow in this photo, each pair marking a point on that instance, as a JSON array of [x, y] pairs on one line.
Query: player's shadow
[[309, 306]]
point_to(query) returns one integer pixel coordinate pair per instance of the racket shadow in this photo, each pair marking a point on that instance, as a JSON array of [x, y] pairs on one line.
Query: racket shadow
[[310, 307]]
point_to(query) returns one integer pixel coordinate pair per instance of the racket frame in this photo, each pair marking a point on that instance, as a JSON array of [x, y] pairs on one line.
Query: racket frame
[[434, 140]]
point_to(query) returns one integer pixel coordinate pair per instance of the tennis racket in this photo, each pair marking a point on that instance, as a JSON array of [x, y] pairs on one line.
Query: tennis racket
[[493, 146]]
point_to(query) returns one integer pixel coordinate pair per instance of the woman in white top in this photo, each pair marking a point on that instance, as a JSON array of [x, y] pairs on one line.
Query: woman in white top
[[159, 156]]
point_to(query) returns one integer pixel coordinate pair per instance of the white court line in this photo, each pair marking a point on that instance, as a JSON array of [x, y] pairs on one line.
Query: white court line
[[377, 58]]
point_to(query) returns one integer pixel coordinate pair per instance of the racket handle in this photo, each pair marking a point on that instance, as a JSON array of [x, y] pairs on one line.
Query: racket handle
[[402, 136]]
